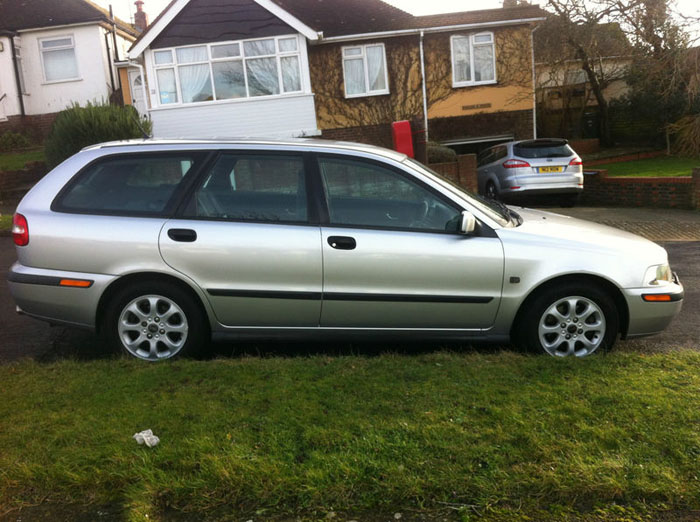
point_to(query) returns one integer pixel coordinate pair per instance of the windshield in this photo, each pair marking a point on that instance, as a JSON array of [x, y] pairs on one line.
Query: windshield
[[542, 149], [498, 212]]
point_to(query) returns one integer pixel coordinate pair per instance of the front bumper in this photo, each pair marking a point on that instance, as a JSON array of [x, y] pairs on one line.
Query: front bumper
[[649, 318], [39, 293]]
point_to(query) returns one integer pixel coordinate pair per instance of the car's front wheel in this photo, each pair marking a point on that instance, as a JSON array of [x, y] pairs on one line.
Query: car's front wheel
[[491, 190], [154, 322], [570, 320]]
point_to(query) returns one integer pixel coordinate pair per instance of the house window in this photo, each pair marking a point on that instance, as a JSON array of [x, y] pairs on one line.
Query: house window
[[364, 70], [58, 59], [228, 70], [473, 59]]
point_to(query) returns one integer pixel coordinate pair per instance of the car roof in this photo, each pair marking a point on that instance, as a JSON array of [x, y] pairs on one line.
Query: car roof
[[300, 143]]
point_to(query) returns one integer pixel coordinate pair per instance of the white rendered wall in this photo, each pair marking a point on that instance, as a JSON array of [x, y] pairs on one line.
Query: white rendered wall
[[9, 106]]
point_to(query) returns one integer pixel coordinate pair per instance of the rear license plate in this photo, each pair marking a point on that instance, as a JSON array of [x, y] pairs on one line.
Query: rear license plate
[[550, 169]]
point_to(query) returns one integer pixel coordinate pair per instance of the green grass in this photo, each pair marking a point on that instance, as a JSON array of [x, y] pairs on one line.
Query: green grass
[[5, 222], [663, 166], [17, 160], [492, 436]]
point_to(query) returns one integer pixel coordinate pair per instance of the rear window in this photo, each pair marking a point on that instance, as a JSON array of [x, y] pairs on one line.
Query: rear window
[[543, 149], [127, 184]]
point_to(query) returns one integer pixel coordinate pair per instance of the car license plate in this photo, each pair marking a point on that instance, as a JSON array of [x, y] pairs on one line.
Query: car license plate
[[550, 169]]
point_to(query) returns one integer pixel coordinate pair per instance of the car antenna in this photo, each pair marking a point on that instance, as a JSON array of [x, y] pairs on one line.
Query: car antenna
[[144, 134]]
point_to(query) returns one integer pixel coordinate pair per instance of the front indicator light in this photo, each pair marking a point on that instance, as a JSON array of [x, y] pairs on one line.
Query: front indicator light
[[657, 298], [78, 283]]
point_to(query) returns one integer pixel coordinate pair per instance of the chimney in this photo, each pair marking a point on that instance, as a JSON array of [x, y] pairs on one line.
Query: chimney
[[140, 17], [506, 3]]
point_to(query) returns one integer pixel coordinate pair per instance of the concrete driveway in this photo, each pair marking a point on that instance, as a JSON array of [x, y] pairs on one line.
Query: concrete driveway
[[677, 230]]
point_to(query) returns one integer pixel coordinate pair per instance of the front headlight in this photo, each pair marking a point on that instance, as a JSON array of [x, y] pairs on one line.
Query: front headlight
[[658, 275]]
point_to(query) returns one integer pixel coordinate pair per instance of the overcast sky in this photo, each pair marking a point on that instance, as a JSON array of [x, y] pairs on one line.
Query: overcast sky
[[125, 8]]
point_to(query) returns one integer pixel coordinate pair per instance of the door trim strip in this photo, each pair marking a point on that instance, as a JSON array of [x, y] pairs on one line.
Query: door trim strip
[[342, 296]]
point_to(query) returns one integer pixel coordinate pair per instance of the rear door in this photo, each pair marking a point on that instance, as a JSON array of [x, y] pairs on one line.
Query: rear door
[[249, 238], [392, 257]]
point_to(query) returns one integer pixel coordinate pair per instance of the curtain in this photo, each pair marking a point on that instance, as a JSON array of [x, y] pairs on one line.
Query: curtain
[[483, 63], [195, 83], [354, 76], [60, 65], [375, 67], [192, 54], [462, 66], [166, 86]]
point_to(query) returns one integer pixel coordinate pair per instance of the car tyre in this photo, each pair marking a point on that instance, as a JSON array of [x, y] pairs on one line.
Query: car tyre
[[572, 319], [491, 190], [154, 321]]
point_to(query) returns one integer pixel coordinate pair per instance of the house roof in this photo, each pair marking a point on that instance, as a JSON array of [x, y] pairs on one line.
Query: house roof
[[340, 18], [16, 15]]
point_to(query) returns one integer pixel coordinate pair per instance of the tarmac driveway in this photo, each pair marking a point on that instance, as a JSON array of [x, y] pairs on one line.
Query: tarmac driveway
[[677, 231]]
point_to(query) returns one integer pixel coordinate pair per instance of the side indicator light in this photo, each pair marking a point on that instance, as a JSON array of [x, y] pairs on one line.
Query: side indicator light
[[656, 298], [79, 283]]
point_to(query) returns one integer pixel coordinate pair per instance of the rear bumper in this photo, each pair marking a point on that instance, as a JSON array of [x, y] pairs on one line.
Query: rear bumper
[[39, 293], [649, 318], [544, 188]]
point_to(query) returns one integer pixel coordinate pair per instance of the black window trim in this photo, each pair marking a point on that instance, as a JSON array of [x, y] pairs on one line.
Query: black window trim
[[202, 158], [312, 209], [482, 230]]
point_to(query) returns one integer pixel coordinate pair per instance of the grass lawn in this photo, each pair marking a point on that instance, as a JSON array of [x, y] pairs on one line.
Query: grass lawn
[[17, 160], [460, 436], [663, 166], [5, 222]]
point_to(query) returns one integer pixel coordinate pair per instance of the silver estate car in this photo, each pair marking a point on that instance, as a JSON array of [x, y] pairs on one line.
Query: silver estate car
[[530, 167], [160, 245]]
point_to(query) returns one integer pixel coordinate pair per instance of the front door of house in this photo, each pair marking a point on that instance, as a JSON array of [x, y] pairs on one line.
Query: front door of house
[[136, 86]]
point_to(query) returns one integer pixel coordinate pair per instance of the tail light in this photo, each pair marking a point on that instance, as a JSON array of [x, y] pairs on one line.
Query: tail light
[[575, 161], [515, 164], [20, 230]]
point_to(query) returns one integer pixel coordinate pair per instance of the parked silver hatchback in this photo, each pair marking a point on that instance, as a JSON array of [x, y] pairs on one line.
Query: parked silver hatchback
[[161, 245], [515, 169]]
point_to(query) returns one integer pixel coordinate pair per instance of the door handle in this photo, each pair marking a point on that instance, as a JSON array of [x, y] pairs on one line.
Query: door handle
[[342, 242], [183, 235]]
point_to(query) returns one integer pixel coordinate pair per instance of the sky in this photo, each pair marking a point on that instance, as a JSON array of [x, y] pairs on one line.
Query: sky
[[125, 8]]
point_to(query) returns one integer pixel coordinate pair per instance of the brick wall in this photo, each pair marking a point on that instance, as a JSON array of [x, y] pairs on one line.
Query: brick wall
[[518, 123], [589, 146], [36, 127], [600, 190], [462, 171]]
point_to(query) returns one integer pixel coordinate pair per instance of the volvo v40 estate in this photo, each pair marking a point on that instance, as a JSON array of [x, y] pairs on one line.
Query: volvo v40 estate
[[161, 245]]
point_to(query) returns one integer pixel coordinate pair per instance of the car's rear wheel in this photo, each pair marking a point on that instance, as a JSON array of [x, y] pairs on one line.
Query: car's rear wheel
[[154, 322], [491, 190], [570, 320]]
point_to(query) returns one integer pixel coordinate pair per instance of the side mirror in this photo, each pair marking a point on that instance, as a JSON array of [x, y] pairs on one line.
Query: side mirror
[[467, 224]]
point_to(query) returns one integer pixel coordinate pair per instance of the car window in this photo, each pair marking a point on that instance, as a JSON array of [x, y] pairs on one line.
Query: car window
[[252, 187], [128, 184], [500, 153], [484, 157], [542, 149], [363, 193]]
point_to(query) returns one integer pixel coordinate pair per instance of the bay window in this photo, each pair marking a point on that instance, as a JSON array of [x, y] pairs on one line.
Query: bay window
[[364, 70], [473, 59], [228, 70]]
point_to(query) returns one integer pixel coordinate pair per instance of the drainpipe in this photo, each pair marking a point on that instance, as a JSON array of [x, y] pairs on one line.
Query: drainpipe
[[534, 83], [18, 82], [425, 98]]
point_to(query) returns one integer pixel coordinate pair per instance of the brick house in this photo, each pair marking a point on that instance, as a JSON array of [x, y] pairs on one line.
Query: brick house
[[53, 54], [339, 69]]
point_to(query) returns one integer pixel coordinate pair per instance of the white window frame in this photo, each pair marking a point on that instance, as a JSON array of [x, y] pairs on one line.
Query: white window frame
[[278, 55], [365, 65], [472, 44], [60, 48]]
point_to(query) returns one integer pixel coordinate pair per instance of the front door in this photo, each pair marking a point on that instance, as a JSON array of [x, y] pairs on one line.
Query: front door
[[246, 238], [392, 257], [137, 90]]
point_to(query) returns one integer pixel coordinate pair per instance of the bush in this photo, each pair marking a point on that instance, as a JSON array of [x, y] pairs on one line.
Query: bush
[[440, 154], [13, 141], [79, 127], [687, 133]]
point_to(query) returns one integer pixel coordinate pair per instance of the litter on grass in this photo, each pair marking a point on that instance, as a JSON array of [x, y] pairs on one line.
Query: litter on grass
[[146, 437]]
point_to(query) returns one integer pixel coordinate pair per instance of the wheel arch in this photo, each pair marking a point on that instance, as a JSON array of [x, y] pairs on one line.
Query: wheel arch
[[145, 277], [606, 285]]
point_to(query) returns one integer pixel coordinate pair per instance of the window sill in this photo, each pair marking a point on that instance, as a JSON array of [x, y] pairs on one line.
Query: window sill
[[230, 101], [62, 81], [367, 94], [456, 85]]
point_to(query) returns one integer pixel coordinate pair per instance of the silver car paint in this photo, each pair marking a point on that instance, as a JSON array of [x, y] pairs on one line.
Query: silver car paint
[[104, 248]]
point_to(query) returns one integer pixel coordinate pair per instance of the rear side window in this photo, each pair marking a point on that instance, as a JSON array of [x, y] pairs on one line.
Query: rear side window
[[127, 184], [252, 187], [543, 149]]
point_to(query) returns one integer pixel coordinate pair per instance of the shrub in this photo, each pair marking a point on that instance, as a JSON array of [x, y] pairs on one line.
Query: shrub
[[79, 127], [12, 141], [440, 154], [687, 131]]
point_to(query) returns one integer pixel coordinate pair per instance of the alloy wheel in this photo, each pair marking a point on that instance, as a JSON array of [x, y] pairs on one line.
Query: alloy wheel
[[572, 325]]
